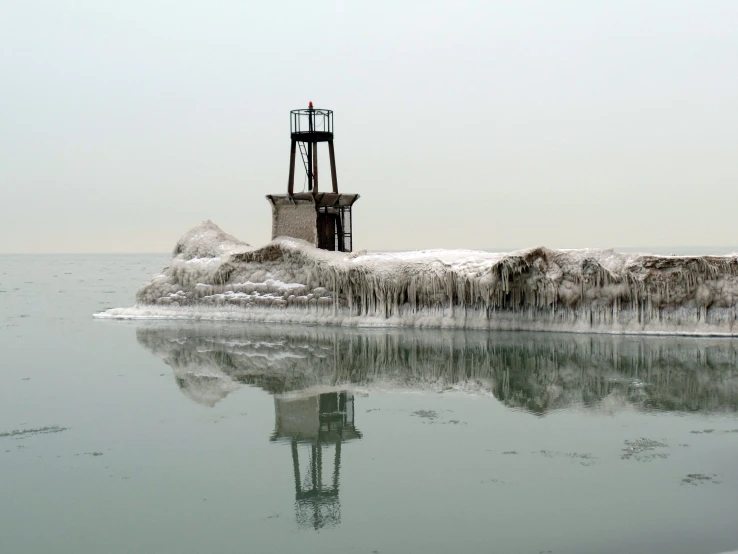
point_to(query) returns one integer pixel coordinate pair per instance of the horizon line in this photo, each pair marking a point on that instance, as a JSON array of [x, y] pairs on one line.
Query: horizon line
[[644, 249]]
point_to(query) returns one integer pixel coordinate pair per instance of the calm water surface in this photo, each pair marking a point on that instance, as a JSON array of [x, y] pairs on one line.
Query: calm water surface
[[161, 437]]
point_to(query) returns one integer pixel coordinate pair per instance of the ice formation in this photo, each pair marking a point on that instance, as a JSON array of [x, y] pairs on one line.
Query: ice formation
[[538, 372], [212, 275]]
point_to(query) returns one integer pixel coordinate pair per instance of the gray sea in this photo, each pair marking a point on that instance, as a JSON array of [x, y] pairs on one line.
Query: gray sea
[[186, 437]]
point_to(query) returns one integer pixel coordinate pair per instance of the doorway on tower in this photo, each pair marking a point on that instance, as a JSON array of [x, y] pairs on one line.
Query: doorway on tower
[[334, 228]]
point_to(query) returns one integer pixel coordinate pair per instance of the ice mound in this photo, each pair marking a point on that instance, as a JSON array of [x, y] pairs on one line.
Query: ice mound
[[207, 240], [215, 276]]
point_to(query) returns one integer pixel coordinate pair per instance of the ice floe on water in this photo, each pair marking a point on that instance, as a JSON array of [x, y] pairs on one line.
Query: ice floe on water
[[214, 276], [24, 433]]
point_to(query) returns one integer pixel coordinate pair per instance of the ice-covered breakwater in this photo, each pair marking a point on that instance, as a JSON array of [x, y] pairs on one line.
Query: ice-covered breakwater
[[213, 275]]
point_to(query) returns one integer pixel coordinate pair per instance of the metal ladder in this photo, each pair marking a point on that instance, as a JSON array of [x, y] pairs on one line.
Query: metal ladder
[[303, 155]]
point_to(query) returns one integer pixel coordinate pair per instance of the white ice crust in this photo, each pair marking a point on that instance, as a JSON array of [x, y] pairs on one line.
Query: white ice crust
[[215, 276]]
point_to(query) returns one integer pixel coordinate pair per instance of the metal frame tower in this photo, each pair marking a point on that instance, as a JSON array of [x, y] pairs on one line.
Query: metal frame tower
[[329, 225]]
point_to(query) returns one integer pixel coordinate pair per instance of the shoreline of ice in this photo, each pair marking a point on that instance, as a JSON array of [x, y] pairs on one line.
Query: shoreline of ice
[[325, 317], [214, 276]]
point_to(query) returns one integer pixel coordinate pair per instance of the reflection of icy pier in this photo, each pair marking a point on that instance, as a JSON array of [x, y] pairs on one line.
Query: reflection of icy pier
[[315, 424], [538, 372], [215, 276]]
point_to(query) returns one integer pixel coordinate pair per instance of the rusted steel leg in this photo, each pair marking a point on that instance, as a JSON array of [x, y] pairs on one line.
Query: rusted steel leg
[[315, 167], [333, 166], [291, 180]]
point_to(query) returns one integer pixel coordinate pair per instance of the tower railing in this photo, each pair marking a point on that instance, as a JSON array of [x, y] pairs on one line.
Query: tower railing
[[311, 120]]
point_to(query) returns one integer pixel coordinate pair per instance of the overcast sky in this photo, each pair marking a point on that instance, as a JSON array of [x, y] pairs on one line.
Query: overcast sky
[[461, 124]]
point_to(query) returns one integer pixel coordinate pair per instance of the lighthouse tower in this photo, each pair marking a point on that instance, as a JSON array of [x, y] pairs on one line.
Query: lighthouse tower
[[321, 218]]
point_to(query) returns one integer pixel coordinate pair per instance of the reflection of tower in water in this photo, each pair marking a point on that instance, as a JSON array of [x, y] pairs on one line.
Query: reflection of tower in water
[[316, 426]]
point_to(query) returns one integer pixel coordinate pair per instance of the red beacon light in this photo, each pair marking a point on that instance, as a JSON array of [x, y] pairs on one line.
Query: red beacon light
[[310, 105]]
